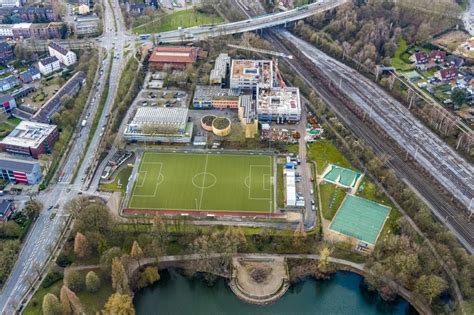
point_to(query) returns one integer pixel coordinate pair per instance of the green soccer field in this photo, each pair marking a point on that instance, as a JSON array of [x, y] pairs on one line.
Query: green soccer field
[[203, 182]]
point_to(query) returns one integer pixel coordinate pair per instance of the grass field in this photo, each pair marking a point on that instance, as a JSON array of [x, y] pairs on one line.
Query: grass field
[[204, 182], [184, 18]]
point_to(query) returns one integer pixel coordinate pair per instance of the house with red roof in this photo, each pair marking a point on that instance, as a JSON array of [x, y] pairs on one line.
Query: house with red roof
[[171, 57], [447, 74], [438, 55]]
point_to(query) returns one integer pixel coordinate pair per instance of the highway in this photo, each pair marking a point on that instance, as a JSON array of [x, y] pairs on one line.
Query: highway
[[265, 21]]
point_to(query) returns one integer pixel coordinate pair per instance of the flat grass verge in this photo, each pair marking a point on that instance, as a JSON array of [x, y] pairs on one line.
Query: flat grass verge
[[331, 198], [122, 176], [324, 152], [34, 306], [184, 19]]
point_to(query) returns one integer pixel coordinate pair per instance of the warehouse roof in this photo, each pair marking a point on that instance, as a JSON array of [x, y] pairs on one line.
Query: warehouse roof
[[160, 116], [174, 54]]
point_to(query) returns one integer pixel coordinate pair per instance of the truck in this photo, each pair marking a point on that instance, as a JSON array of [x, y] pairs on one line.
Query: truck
[[83, 123]]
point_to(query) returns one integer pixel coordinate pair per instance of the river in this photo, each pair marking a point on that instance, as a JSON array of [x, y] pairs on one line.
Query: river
[[175, 294]]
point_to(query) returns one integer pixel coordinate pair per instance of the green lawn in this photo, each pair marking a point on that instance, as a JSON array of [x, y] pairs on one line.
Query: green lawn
[[324, 152], [34, 306], [123, 177], [280, 186], [331, 198], [184, 18], [204, 182], [399, 60], [8, 125]]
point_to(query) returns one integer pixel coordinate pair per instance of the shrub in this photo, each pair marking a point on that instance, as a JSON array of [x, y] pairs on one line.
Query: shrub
[[63, 261], [51, 278], [92, 282], [75, 281]]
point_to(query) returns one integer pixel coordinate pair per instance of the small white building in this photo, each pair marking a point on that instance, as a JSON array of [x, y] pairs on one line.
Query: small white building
[[48, 65], [10, 3], [290, 188], [83, 9], [64, 55]]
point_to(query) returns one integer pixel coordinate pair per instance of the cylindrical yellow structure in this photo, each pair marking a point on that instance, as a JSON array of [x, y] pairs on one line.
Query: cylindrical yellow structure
[[221, 126], [206, 122]]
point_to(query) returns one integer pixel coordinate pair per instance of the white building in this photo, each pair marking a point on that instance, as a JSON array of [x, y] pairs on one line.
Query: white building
[[247, 74], [10, 3], [83, 9], [64, 55], [49, 65], [278, 104], [160, 124], [219, 72], [290, 188], [6, 30]]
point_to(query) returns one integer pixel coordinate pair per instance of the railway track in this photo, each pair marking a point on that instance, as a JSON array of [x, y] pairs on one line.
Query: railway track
[[365, 128]]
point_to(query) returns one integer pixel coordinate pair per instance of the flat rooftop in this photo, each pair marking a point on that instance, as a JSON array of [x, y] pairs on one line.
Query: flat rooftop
[[260, 71], [209, 92], [28, 134], [160, 116], [278, 100]]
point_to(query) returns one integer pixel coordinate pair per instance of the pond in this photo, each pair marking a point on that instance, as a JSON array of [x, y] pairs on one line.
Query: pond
[[342, 294]]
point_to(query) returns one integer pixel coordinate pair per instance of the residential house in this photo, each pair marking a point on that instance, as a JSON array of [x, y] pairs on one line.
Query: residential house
[[49, 65], [30, 75], [421, 57], [7, 104], [447, 74], [6, 52], [64, 55], [437, 55], [8, 83]]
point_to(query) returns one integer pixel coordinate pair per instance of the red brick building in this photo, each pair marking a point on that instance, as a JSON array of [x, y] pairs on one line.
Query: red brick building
[[170, 57], [30, 139]]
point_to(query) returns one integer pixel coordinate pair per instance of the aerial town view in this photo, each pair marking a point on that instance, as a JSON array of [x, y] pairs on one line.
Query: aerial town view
[[236, 157]]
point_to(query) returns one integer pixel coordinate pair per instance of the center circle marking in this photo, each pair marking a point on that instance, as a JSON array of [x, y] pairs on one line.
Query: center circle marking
[[204, 180]]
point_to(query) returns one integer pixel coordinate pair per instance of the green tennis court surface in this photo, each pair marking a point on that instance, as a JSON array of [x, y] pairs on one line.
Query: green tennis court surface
[[203, 182], [360, 218], [341, 176]]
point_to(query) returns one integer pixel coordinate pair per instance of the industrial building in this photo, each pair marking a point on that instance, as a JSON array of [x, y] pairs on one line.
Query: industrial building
[[31, 139], [169, 57], [248, 116], [219, 73], [160, 124], [19, 170], [247, 74], [208, 96], [64, 55], [278, 104]]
